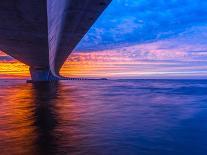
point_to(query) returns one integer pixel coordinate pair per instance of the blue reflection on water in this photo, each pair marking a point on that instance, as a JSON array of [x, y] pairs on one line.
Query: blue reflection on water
[[148, 117]]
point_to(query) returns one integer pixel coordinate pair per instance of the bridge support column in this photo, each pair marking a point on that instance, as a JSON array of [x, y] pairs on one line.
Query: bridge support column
[[41, 74]]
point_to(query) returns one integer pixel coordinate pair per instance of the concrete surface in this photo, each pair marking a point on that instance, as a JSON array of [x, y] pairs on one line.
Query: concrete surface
[[43, 33]]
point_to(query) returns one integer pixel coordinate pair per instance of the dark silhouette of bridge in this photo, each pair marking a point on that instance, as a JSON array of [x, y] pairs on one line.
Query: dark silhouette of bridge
[[43, 33]]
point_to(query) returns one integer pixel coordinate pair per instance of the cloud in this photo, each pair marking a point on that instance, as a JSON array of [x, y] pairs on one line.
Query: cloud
[[180, 56], [6, 58]]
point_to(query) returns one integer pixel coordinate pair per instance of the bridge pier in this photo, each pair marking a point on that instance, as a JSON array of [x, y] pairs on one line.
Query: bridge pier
[[43, 33], [41, 74]]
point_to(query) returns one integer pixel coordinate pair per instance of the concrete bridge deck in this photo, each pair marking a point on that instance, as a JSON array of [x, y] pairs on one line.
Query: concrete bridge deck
[[43, 33]]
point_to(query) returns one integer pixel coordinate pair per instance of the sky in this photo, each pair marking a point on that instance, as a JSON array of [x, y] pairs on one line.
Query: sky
[[137, 39]]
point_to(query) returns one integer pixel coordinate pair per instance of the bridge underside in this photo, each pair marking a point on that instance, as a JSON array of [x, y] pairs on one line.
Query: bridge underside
[[43, 33]]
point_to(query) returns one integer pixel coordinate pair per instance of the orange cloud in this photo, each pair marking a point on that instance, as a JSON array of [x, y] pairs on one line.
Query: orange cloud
[[157, 59], [13, 69]]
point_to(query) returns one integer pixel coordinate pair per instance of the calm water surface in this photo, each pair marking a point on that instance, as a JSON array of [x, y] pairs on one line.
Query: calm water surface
[[114, 117]]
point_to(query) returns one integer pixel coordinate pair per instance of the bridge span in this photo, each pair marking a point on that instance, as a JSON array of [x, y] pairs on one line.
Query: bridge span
[[43, 33]]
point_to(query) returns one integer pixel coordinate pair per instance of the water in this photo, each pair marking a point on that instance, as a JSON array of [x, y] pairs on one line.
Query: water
[[114, 117]]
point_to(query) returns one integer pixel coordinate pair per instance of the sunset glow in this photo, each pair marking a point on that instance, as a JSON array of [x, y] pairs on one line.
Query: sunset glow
[[137, 39]]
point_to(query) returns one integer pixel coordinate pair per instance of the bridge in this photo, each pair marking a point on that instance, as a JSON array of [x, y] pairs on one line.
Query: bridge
[[43, 33]]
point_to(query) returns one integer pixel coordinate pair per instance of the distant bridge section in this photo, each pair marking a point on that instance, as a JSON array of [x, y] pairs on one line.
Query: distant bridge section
[[43, 33]]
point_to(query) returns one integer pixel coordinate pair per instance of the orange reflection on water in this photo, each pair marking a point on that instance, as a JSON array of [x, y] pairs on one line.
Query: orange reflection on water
[[16, 120], [30, 115]]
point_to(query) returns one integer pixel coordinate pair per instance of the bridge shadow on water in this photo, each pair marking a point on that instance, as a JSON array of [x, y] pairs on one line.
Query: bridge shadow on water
[[45, 117], [51, 139]]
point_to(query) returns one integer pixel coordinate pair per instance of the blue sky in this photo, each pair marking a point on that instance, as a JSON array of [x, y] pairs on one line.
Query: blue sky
[[138, 21], [172, 34]]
